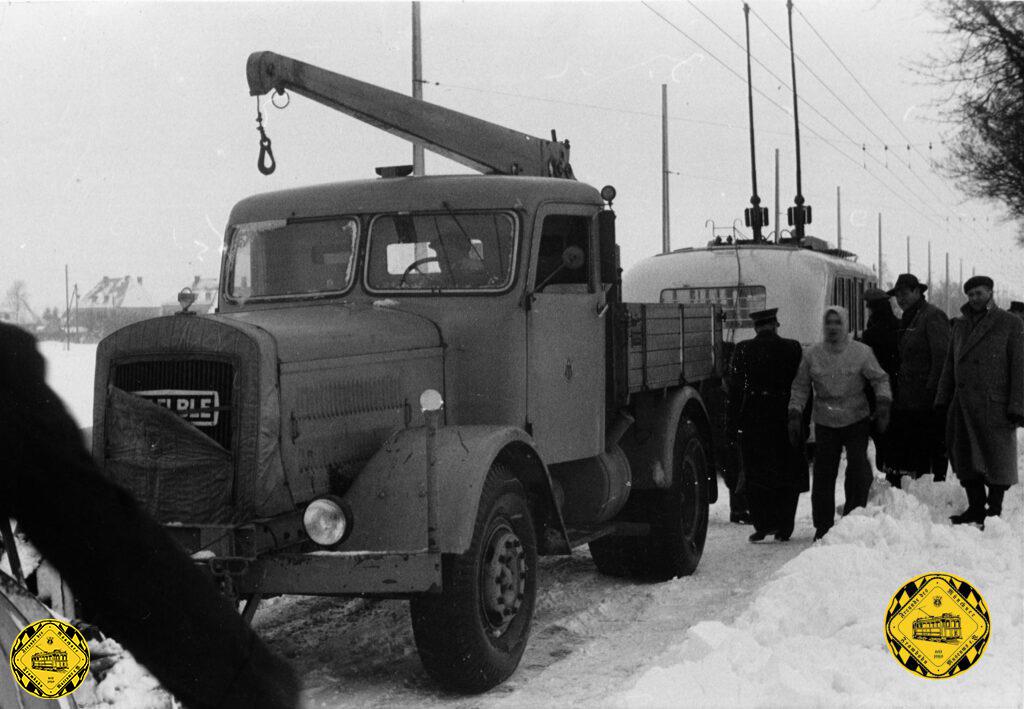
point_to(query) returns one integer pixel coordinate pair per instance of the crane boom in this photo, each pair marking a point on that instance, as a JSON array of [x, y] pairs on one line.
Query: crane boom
[[475, 143]]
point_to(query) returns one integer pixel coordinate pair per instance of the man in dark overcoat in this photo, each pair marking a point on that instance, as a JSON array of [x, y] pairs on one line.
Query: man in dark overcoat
[[882, 336], [983, 385], [918, 435], [775, 473], [138, 584]]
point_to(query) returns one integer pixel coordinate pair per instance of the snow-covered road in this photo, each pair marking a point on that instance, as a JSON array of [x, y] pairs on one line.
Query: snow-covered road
[[591, 633], [771, 625]]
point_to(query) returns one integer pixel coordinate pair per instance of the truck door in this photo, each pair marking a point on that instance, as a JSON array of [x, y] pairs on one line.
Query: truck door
[[565, 339]]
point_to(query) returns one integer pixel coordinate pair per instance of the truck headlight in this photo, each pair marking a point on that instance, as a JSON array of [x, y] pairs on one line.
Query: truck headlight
[[327, 520]]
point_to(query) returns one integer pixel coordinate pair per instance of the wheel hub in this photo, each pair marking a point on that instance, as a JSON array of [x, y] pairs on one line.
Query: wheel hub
[[503, 579]]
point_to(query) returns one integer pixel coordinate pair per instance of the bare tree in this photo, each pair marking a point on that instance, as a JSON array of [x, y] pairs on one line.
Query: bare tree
[[983, 65]]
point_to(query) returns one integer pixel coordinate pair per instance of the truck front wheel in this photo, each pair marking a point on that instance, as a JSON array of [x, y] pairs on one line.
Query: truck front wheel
[[472, 635]]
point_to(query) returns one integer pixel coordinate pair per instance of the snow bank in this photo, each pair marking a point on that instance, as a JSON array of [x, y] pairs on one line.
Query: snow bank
[[813, 636], [70, 373]]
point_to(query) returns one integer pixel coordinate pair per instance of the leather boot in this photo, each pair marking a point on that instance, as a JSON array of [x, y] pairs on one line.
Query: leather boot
[[975, 512], [995, 499]]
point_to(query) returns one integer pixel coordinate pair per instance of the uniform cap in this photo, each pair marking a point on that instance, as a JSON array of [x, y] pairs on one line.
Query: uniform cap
[[761, 317]]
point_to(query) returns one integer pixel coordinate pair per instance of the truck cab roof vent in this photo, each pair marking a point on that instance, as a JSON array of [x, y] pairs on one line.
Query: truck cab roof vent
[[394, 171]]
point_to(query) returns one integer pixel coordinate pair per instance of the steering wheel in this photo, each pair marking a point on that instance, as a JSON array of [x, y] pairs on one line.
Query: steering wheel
[[415, 265]]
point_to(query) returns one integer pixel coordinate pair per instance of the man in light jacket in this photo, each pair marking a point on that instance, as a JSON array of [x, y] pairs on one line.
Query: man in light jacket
[[838, 369], [983, 385]]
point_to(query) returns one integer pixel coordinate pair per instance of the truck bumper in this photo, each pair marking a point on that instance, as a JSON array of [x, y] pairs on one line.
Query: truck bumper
[[329, 573]]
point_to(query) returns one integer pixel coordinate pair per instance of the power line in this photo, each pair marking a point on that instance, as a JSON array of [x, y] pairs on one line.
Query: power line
[[863, 88], [777, 105], [853, 113]]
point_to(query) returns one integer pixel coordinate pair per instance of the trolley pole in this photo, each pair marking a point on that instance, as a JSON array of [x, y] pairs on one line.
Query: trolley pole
[[799, 215], [908, 254], [755, 216], [929, 281]]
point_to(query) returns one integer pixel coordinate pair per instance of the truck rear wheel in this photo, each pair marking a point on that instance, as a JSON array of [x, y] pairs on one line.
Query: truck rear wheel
[[472, 635], [678, 517]]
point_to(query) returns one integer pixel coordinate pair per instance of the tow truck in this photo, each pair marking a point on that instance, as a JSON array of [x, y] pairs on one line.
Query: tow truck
[[415, 385]]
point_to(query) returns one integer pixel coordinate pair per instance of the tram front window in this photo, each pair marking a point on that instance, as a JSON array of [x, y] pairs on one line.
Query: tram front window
[[737, 302]]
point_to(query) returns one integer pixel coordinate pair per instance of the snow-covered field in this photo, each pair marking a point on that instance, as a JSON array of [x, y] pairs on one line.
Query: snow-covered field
[[772, 625]]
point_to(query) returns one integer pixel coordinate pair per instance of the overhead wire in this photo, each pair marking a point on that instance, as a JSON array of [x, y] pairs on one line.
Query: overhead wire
[[853, 113], [861, 85], [808, 128]]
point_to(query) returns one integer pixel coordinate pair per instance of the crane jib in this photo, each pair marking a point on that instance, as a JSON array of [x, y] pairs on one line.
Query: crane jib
[[476, 143]]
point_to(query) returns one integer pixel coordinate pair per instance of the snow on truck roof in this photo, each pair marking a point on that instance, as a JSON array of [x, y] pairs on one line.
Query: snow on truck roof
[[460, 192]]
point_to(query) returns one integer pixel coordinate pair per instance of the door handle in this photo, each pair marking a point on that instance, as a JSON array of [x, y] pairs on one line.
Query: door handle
[[601, 310]]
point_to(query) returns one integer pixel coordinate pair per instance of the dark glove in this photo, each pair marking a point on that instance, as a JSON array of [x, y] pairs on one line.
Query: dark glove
[[796, 425], [882, 416]]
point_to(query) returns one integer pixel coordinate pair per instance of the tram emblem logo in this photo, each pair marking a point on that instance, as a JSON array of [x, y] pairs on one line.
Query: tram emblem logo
[[931, 645], [49, 659]]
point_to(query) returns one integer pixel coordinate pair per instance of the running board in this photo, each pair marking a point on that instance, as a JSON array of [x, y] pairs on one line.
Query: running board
[[582, 535]]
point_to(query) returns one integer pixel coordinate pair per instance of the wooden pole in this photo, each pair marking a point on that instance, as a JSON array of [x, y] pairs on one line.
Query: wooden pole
[[417, 82], [666, 238]]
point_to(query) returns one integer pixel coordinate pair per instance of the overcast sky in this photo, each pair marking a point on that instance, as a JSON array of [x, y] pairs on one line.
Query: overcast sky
[[128, 133]]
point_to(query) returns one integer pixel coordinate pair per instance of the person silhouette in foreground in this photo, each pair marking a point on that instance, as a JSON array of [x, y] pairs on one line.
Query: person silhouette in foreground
[[138, 585]]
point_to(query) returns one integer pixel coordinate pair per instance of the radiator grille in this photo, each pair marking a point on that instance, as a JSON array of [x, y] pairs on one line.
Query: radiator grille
[[184, 375]]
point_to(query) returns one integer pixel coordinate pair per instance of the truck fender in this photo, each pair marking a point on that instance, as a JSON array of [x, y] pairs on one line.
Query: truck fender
[[650, 442], [465, 455]]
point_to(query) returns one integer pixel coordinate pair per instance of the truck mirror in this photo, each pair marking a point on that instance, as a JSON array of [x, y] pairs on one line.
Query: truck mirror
[[606, 246], [573, 258]]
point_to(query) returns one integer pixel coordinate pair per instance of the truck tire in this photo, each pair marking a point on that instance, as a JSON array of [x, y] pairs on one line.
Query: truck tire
[[678, 517], [471, 636]]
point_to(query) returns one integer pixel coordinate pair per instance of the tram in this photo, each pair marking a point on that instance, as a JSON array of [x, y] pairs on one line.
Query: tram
[[801, 280], [941, 629], [54, 661]]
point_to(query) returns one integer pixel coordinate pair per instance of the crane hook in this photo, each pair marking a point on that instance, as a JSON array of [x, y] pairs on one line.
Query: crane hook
[[266, 163]]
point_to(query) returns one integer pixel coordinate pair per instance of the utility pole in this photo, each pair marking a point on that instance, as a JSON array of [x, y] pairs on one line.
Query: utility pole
[[881, 268], [666, 240], [778, 214], [67, 311], [755, 216], [929, 281], [799, 215], [839, 221], [949, 291], [417, 82]]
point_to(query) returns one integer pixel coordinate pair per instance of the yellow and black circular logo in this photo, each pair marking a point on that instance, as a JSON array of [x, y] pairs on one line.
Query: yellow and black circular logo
[[50, 658], [937, 625]]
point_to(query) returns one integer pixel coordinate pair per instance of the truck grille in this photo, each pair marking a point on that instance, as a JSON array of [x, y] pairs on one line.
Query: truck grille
[[180, 377]]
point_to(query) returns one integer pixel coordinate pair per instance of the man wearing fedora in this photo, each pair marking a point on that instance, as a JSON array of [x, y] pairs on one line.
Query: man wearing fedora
[[918, 433], [774, 471], [982, 383]]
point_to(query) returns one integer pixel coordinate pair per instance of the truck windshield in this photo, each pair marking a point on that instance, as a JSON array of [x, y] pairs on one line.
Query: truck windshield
[[275, 259], [441, 252]]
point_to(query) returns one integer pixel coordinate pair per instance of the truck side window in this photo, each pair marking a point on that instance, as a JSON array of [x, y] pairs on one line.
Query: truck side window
[[557, 233]]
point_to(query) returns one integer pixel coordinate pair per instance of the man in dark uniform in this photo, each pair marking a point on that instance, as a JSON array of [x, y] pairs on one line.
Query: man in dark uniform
[[882, 336], [774, 472], [138, 584]]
